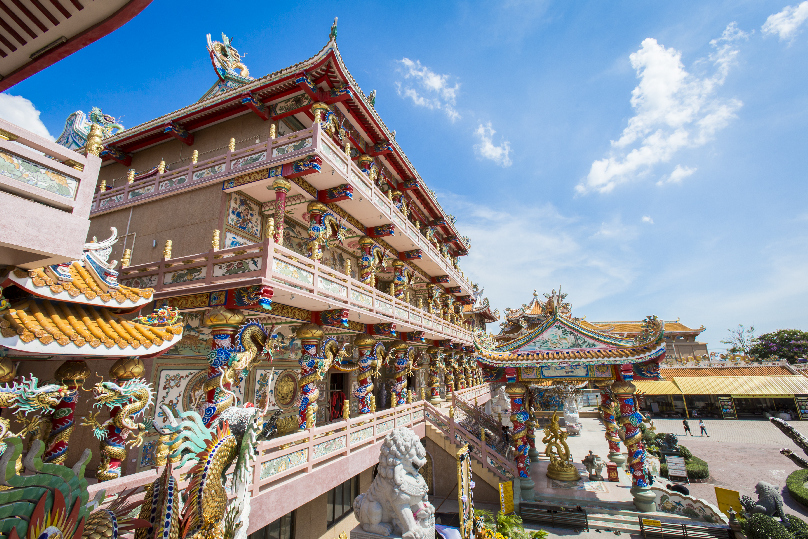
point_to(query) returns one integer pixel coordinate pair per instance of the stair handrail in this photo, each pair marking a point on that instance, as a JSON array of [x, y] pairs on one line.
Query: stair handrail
[[494, 437], [503, 468]]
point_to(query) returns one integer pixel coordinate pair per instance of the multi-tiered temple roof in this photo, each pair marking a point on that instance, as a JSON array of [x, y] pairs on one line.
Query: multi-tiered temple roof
[[75, 309], [544, 335]]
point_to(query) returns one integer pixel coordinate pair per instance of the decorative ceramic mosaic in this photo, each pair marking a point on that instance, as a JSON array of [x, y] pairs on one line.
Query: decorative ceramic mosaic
[[147, 454], [293, 272], [210, 171], [360, 183], [403, 420], [340, 163], [291, 147], [332, 287], [231, 239], [244, 214], [361, 435], [111, 200], [559, 337], [427, 322], [401, 313], [397, 220], [380, 200], [181, 389], [384, 307], [264, 384], [168, 184], [415, 318], [384, 426], [186, 275], [145, 281], [361, 297], [249, 160], [18, 168], [417, 416], [196, 338], [324, 448], [239, 266], [140, 191], [286, 462]]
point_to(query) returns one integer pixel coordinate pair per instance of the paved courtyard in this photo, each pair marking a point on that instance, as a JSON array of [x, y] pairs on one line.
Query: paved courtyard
[[739, 452]]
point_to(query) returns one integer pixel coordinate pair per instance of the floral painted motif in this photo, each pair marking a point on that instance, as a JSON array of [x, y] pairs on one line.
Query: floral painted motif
[[249, 160], [21, 169], [324, 448], [168, 184], [557, 338], [291, 147], [264, 385], [234, 240], [281, 464], [332, 287], [134, 193], [361, 435], [293, 272], [236, 267], [184, 276], [211, 171], [146, 281], [195, 337], [245, 215]]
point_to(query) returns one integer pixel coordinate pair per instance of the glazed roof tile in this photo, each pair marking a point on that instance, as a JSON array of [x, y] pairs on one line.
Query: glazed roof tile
[[72, 329], [631, 327], [690, 372], [81, 288]]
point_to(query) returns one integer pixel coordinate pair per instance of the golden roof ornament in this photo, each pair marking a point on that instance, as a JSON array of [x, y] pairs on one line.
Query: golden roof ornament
[[127, 368], [75, 371], [310, 331], [221, 317], [8, 371]]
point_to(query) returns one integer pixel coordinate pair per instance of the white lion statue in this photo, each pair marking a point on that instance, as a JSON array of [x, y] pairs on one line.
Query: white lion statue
[[397, 501]]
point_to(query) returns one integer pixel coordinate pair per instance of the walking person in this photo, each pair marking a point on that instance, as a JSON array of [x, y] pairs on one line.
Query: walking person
[[703, 428], [687, 427]]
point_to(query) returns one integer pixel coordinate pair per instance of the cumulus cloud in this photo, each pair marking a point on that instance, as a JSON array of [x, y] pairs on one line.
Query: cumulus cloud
[[427, 89], [20, 111], [647, 219], [786, 23], [485, 148], [674, 109], [677, 175]]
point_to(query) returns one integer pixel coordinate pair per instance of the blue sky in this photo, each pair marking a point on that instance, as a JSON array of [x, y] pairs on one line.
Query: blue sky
[[648, 158]]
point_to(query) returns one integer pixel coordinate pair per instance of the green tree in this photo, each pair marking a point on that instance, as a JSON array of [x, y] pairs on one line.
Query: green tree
[[740, 340], [788, 344]]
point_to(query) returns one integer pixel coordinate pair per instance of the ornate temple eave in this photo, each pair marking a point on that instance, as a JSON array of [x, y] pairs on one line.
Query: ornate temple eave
[[606, 356], [79, 289], [69, 329]]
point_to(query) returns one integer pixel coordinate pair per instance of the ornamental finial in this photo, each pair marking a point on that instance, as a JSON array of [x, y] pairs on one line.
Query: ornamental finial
[[332, 36]]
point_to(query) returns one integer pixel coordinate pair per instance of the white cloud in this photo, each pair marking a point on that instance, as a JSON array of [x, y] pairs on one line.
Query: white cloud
[[786, 23], [19, 111], [647, 219], [677, 175], [531, 247], [486, 148], [674, 110], [427, 88]]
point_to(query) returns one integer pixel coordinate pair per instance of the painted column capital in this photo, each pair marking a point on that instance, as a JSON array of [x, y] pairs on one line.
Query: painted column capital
[[318, 109], [219, 318]]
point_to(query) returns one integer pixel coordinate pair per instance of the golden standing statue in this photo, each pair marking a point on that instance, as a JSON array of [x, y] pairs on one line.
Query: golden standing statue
[[560, 467]]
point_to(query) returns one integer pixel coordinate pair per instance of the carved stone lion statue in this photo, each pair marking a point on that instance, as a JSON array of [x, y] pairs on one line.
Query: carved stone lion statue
[[397, 502], [769, 502]]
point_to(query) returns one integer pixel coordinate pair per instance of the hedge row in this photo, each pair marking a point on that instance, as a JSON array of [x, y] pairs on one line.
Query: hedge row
[[760, 526], [696, 469], [796, 486]]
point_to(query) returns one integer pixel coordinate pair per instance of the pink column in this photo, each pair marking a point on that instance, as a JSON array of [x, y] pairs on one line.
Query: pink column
[[281, 187]]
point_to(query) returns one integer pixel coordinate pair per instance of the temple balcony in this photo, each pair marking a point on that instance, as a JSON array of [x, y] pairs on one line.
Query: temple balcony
[[252, 170], [295, 279], [46, 192], [292, 470]]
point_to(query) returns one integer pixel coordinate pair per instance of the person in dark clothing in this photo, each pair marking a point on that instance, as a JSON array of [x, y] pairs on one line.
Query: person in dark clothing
[[681, 489], [687, 427], [703, 428], [506, 435]]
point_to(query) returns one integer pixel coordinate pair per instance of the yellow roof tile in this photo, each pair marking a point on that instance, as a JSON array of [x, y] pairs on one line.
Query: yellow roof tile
[[70, 328]]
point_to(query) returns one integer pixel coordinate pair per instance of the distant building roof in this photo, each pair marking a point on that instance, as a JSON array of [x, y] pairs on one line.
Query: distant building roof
[[777, 370]]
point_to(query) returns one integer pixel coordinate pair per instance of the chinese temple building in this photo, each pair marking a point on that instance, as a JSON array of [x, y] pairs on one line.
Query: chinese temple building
[[280, 258], [542, 341]]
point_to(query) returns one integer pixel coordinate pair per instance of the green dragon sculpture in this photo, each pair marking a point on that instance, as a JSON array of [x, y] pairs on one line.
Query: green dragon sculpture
[[127, 402]]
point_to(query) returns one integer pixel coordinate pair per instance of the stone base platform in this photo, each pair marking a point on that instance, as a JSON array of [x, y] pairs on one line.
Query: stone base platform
[[359, 533]]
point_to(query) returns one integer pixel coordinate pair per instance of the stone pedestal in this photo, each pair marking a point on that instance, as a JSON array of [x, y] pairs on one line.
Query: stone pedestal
[[428, 527], [533, 454], [619, 459], [526, 486], [644, 499]]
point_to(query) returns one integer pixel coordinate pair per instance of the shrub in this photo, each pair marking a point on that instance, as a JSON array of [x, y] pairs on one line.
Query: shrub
[[796, 486], [798, 528], [759, 526], [696, 469], [685, 452]]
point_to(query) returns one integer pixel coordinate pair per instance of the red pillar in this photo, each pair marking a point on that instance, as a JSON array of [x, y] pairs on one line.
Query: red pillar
[[224, 324], [71, 374], [309, 335]]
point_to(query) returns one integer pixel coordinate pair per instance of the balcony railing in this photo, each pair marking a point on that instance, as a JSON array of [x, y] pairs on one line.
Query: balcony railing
[[46, 191], [286, 270], [300, 456], [272, 152]]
